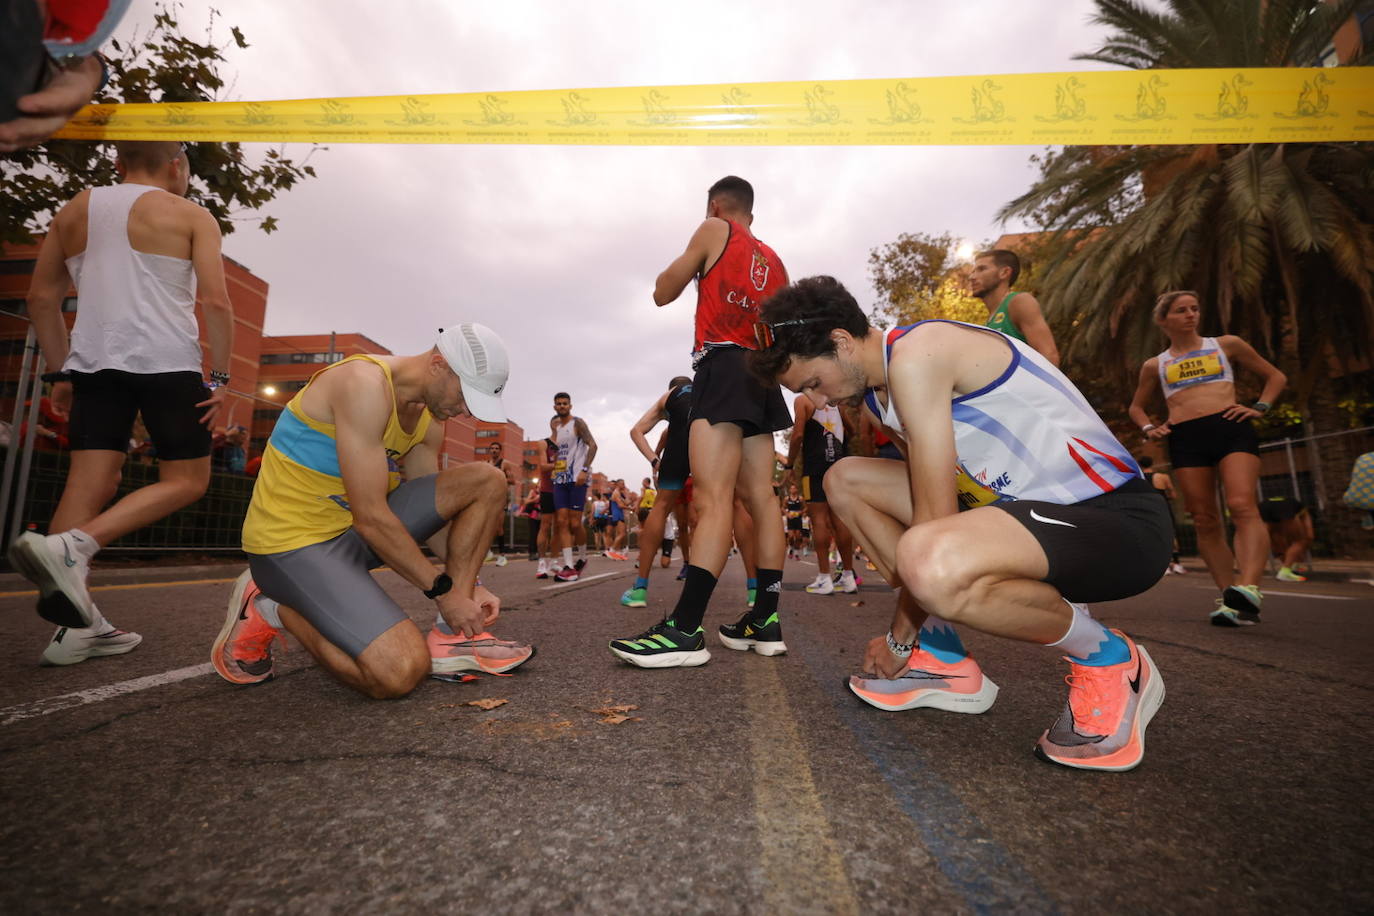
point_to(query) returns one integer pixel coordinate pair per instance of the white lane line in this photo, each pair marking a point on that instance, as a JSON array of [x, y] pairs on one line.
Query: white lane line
[[581, 579], [1271, 594], [24, 711]]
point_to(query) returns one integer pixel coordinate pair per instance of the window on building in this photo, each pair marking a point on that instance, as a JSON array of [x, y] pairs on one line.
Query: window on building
[[488, 434]]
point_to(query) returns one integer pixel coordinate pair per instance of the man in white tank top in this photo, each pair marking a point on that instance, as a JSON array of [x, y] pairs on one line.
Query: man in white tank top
[[1015, 505], [140, 256]]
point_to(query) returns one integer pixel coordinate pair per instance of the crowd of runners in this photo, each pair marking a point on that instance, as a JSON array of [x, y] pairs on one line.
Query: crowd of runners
[[953, 461]]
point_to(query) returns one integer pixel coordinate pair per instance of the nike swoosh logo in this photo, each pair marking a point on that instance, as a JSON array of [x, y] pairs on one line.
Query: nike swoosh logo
[[66, 549], [1049, 521], [1135, 681]]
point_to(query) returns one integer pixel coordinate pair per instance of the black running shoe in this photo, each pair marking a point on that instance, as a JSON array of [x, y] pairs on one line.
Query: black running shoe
[[663, 645], [1245, 600], [763, 636]]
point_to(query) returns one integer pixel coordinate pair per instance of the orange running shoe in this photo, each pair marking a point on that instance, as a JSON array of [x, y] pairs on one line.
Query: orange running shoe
[[451, 653], [927, 681], [1103, 723], [242, 653]]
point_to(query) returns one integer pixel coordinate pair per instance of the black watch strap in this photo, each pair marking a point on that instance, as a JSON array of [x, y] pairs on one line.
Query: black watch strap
[[61, 375], [442, 585]]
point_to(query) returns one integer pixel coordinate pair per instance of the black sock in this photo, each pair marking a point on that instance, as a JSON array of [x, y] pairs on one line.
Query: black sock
[[691, 604], [766, 598], [1175, 556]]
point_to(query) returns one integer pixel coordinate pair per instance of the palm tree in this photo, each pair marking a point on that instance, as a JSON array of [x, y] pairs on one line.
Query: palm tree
[[1278, 238]]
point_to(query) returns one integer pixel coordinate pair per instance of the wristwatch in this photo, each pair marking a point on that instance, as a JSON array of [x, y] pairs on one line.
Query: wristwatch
[[62, 375], [442, 585], [1261, 406]]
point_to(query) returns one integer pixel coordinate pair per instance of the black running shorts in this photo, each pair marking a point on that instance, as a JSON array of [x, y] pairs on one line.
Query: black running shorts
[[329, 584], [813, 485], [674, 466], [723, 391], [105, 403], [1203, 442], [1106, 548], [546, 506]]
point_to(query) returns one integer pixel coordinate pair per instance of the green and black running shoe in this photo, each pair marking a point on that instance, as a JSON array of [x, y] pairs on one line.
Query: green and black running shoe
[[763, 636], [663, 645]]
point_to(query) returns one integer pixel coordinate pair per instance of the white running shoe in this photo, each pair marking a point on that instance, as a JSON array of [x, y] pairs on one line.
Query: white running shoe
[[71, 645], [60, 575], [822, 585], [847, 583], [1177, 569], [543, 572]]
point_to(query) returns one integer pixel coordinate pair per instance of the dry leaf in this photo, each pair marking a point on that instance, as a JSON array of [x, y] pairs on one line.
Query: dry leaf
[[614, 710], [616, 719], [856, 604], [486, 703]]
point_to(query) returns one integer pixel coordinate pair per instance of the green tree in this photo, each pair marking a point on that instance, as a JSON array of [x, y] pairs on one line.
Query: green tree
[[161, 65], [919, 276], [1277, 238]]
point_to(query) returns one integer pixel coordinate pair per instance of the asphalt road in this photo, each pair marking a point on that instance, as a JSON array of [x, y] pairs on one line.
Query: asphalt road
[[750, 785]]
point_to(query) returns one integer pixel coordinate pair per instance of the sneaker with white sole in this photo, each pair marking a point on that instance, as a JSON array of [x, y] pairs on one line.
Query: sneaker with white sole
[[663, 645], [928, 682], [242, 652], [451, 653], [70, 645], [847, 584], [763, 636], [60, 574], [822, 586]]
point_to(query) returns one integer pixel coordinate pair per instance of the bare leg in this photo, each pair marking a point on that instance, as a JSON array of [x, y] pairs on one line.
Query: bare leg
[[651, 535], [745, 537], [1200, 499], [716, 455], [755, 486], [820, 535], [391, 666], [93, 478], [872, 498], [1239, 475]]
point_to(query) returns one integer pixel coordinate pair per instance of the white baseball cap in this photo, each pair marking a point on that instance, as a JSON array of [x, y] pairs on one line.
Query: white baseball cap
[[479, 358]]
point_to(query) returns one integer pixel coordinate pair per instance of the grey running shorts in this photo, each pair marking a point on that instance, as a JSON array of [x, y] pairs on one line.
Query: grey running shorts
[[329, 584]]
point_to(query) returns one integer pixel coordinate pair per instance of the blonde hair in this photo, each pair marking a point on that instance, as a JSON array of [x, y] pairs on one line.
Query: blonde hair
[[1163, 302]]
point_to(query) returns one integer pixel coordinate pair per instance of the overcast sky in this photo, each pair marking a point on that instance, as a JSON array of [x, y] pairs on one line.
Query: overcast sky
[[557, 248]]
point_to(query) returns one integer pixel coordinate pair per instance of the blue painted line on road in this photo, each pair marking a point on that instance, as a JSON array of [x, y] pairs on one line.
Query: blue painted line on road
[[988, 876]]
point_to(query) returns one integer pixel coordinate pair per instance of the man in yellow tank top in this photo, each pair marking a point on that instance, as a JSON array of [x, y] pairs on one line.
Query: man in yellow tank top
[[330, 505]]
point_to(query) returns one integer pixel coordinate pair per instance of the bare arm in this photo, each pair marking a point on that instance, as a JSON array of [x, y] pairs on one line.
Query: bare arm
[[1026, 315], [585, 434], [1144, 390], [362, 404], [921, 385], [710, 236], [213, 295], [802, 409], [47, 289], [639, 433], [1242, 354]]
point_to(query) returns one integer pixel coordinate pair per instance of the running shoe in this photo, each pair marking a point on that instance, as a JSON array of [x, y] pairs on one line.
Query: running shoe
[[1286, 574], [1223, 616], [543, 571], [928, 682], [1177, 569], [567, 574], [1239, 607], [48, 562], [580, 564], [763, 636], [1103, 723], [71, 645], [663, 645], [635, 597], [822, 586], [848, 582], [450, 653], [242, 653], [682, 573]]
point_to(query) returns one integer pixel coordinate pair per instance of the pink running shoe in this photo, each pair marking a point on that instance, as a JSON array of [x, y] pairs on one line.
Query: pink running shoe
[[1103, 723], [927, 681], [567, 574], [452, 652], [242, 653]]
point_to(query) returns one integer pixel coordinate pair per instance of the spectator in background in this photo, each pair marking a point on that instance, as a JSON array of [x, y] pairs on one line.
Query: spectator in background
[[228, 454], [1290, 534], [50, 434], [1359, 495]]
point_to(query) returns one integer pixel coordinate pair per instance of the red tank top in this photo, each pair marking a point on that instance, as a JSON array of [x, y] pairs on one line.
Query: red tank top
[[729, 295]]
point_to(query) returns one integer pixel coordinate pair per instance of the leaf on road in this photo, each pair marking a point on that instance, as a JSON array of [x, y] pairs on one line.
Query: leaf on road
[[487, 703], [856, 604], [614, 715]]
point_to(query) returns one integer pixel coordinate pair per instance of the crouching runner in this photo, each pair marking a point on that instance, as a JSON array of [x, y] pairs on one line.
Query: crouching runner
[[1014, 507], [329, 506]]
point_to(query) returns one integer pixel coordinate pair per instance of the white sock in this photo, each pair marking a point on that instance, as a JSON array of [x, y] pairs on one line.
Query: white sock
[[1085, 635], [77, 541], [269, 609], [567, 556], [100, 624]]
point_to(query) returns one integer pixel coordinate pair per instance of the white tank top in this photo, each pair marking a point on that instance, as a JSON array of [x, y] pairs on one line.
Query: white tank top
[[135, 311], [1206, 364], [572, 453], [1028, 435], [829, 417]]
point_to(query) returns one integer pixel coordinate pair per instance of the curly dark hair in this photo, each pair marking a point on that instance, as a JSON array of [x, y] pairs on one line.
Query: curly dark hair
[[801, 317]]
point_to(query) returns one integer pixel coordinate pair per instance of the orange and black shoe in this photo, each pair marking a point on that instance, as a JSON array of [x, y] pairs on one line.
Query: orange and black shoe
[[928, 682], [1103, 723], [242, 653]]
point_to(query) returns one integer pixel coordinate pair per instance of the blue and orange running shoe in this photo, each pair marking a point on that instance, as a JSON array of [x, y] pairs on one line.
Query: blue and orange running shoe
[[1103, 723]]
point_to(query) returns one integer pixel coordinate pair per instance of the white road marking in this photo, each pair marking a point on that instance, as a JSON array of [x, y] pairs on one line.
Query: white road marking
[[582, 579], [1273, 594], [97, 694]]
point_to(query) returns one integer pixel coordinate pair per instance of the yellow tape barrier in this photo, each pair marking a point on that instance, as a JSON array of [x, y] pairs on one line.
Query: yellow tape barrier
[[1116, 107]]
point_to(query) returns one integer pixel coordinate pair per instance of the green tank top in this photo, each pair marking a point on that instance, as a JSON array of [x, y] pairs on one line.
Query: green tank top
[[1000, 320]]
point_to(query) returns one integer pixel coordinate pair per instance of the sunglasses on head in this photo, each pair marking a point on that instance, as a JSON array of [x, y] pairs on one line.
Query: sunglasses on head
[[763, 330]]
